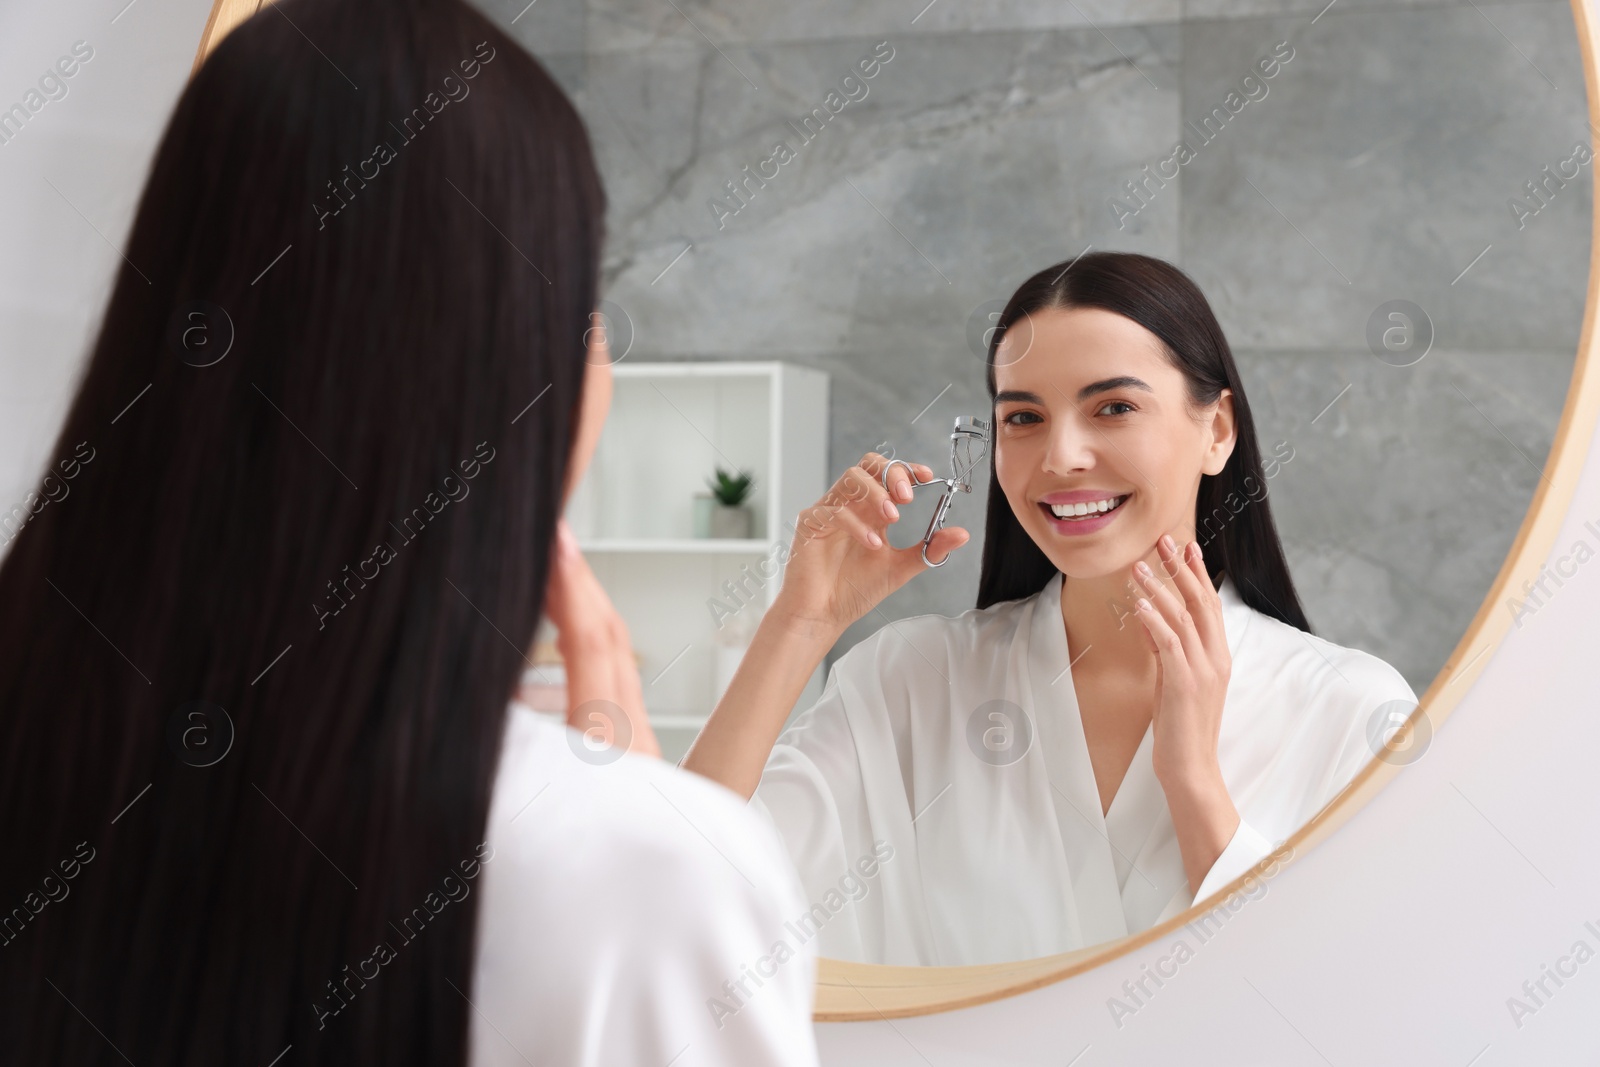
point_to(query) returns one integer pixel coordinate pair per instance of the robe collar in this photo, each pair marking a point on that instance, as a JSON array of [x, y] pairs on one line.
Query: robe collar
[[1101, 850]]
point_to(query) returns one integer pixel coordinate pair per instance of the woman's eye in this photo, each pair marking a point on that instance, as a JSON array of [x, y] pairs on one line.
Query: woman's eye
[[1118, 404], [1011, 418]]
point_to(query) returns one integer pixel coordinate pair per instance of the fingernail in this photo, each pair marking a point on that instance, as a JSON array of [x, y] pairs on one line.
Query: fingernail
[[1144, 605], [1196, 546], [1142, 568], [1167, 543], [877, 542], [890, 512]]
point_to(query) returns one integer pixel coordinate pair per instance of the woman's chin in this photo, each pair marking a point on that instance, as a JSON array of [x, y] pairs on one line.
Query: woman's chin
[[1087, 562]]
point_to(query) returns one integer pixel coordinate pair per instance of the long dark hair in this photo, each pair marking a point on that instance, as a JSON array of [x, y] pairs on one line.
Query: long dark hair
[[256, 663], [1232, 520]]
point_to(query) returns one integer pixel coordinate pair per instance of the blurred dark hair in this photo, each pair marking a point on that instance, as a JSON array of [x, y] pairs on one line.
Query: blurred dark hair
[[1240, 540], [219, 548]]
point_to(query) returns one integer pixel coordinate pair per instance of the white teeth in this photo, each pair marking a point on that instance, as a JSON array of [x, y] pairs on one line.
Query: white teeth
[[1088, 507]]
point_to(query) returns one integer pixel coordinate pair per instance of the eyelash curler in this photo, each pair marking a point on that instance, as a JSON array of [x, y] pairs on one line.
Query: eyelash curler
[[971, 435]]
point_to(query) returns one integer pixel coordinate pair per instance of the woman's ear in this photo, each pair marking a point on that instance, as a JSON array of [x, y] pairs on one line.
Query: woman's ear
[[1224, 434], [592, 409]]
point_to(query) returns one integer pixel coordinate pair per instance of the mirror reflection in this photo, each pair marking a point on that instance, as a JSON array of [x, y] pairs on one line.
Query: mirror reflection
[[1134, 714], [1297, 286]]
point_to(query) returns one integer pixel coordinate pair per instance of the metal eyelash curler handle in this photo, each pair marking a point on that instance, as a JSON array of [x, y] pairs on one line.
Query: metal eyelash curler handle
[[971, 432], [938, 512]]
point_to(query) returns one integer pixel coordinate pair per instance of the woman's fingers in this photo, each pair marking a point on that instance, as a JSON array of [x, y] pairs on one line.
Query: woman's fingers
[[1174, 615], [866, 497], [832, 582], [1211, 600], [559, 597], [857, 505], [858, 528], [1194, 589], [900, 481], [864, 493], [1171, 664], [873, 463], [941, 544], [602, 678]]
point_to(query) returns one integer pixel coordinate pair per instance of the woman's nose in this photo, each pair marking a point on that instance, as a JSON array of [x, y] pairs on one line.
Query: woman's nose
[[1072, 445]]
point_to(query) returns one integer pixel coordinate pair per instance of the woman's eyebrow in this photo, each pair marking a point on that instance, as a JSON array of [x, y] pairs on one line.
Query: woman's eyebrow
[[1124, 381], [1105, 385]]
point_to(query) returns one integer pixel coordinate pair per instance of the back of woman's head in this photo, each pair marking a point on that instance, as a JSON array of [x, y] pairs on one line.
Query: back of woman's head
[[256, 661]]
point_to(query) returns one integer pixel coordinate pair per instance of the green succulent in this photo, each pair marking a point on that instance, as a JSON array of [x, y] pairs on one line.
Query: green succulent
[[729, 489]]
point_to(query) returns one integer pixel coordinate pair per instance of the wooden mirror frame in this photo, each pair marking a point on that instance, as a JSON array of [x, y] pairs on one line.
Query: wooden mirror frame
[[852, 992]]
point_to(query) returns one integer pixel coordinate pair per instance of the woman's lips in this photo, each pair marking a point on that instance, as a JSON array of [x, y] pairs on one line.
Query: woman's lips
[[1077, 527]]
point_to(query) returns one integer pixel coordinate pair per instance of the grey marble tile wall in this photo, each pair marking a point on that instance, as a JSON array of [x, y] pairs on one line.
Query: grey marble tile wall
[[1385, 160]]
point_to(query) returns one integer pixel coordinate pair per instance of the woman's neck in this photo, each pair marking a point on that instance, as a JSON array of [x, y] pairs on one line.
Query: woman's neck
[[1102, 619]]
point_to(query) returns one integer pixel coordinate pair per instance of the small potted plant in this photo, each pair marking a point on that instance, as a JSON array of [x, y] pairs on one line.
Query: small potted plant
[[723, 512]]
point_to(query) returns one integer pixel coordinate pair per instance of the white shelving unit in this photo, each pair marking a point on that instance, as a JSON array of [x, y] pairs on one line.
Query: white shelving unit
[[670, 426]]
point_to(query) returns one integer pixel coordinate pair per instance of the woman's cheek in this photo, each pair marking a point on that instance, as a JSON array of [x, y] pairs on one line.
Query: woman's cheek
[[1004, 463]]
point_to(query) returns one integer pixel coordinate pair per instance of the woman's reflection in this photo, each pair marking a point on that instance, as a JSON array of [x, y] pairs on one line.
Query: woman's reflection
[[1134, 713]]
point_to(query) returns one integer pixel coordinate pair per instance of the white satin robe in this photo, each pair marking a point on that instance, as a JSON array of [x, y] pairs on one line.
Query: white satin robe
[[632, 913], [1001, 862]]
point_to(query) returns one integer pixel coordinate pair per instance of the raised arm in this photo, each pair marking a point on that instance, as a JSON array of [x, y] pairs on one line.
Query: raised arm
[[840, 567]]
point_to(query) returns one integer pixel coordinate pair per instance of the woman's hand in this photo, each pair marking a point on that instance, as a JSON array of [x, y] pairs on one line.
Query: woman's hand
[[1185, 633], [841, 564], [603, 694]]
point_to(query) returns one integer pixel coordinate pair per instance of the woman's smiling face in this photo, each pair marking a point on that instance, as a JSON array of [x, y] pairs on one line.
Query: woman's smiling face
[[1090, 415]]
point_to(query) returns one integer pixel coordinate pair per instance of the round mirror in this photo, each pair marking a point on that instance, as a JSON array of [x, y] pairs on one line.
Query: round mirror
[[1384, 210]]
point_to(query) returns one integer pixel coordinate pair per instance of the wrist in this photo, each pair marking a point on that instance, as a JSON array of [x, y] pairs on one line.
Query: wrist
[[781, 621], [1194, 784], [591, 637]]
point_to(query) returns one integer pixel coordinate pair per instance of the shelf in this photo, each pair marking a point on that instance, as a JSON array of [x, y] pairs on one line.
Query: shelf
[[687, 601], [678, 722]]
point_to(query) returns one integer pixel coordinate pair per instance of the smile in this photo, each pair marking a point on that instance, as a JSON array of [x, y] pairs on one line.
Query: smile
[[1086, 509], [1084, 518]]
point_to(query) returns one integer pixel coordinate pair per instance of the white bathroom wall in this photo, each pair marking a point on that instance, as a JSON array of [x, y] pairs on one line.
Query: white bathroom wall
[[69, 180]]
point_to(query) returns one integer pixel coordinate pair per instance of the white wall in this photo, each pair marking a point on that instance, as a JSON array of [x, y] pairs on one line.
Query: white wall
[[93, 145]]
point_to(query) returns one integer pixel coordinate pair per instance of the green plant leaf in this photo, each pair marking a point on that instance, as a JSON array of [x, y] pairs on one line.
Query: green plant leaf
[[731, 489]]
